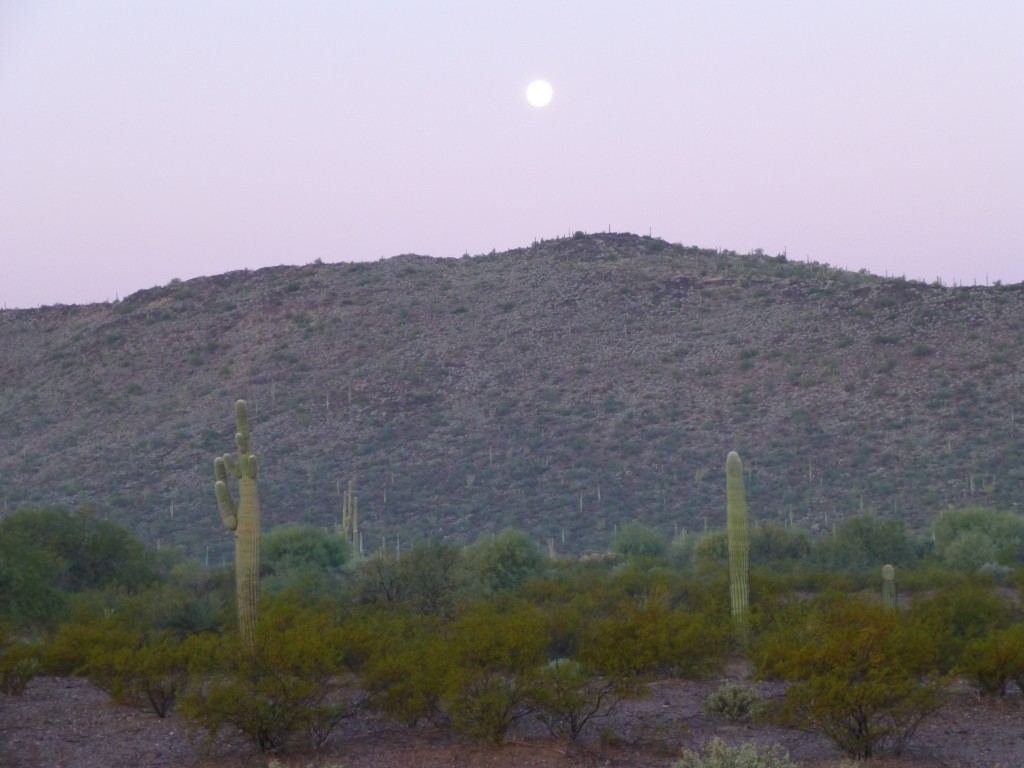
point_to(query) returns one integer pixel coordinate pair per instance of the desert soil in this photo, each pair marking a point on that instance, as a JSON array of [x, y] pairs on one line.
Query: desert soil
[[67, 723]]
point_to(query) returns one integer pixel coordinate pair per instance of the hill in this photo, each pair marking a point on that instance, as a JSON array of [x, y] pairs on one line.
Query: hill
[[564, 388]]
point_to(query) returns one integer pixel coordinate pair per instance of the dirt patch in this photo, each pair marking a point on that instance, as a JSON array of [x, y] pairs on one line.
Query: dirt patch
[[66, 723]]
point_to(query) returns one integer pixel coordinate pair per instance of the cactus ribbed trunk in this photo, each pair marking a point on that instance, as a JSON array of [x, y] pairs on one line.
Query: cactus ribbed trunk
[[350, 520], [889, 587], [244, 519], [737, 532]]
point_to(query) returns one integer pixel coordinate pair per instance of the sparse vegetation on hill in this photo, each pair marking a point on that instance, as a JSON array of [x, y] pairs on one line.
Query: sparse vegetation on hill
[[564, 389]]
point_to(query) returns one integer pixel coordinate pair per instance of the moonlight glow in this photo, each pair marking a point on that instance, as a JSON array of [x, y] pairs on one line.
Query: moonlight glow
[[539, 93]]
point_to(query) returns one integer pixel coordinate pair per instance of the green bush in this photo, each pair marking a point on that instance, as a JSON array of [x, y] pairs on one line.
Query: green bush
[[140, 669], [93, 553], [504, 561], [960, 613], [567, 696], [967, 539], [733, 701], [19, 663], [496, 656], [404, 662], [863, 542], [149, 676], [717, 754], [653, 638], [295, 683], [635, 540], [28, 597], [302, 560], [863, 675], [427, 579], [994, 661], [85, 647]]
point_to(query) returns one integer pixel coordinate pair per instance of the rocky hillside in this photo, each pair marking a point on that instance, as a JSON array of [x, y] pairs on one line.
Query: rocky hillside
[[563, 388]]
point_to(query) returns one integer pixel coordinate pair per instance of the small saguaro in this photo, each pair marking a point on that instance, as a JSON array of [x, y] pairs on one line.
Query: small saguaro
[[243, 518], [889, 586], [350, 520]]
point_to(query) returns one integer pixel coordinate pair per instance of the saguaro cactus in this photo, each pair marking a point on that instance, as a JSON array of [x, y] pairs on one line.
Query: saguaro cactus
[[350, 519], [889, 587], [737, 532], [244, 519]]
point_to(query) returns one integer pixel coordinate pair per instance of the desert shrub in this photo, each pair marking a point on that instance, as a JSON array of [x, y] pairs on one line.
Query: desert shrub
[[635, 540], [967, 539], [495, 659], [294, 684], [710, 552], [28, 598], [84, 647], [733, 701], [504, 561], [140, 669], [717, 754], [403, 665], [93, 553], [149, 675], [302, 560], [652, 638], [994, 661], [568, 696], [426, 579], [863, 542], [774, 544], [862, 675], [960, 613], [19, 663]]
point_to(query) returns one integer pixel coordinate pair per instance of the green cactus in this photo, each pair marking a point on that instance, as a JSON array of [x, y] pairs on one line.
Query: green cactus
[[889, 587], [244, 519], [738, 535]]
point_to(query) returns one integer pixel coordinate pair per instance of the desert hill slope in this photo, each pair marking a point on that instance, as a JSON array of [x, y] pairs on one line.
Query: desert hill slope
[[564, 388]]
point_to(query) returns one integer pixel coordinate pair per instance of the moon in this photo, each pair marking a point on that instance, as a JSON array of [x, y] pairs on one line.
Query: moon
[[539, 93]]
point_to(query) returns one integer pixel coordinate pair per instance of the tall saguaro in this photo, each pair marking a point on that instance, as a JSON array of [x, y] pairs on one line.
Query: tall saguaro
[[737, 531], [243, 518]]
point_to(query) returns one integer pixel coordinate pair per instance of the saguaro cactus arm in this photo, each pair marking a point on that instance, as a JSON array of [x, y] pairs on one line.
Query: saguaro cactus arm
[[226, 505]]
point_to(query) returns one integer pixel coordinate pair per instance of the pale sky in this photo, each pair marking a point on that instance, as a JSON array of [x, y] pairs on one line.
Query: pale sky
[[145, 140]]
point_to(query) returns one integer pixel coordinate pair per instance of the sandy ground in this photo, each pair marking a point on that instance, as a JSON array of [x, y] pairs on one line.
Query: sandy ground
[[66, 723]]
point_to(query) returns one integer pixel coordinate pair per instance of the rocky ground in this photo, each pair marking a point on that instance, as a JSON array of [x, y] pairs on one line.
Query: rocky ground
[[66, 723]]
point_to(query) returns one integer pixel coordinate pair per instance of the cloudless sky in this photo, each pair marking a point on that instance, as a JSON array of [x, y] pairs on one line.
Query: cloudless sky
[[145, 141]]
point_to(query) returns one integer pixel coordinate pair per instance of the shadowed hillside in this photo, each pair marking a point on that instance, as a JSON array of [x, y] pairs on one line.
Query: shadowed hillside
[[564, 388]]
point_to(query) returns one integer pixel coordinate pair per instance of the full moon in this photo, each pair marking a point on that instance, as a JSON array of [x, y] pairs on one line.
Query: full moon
[[539, 93]]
